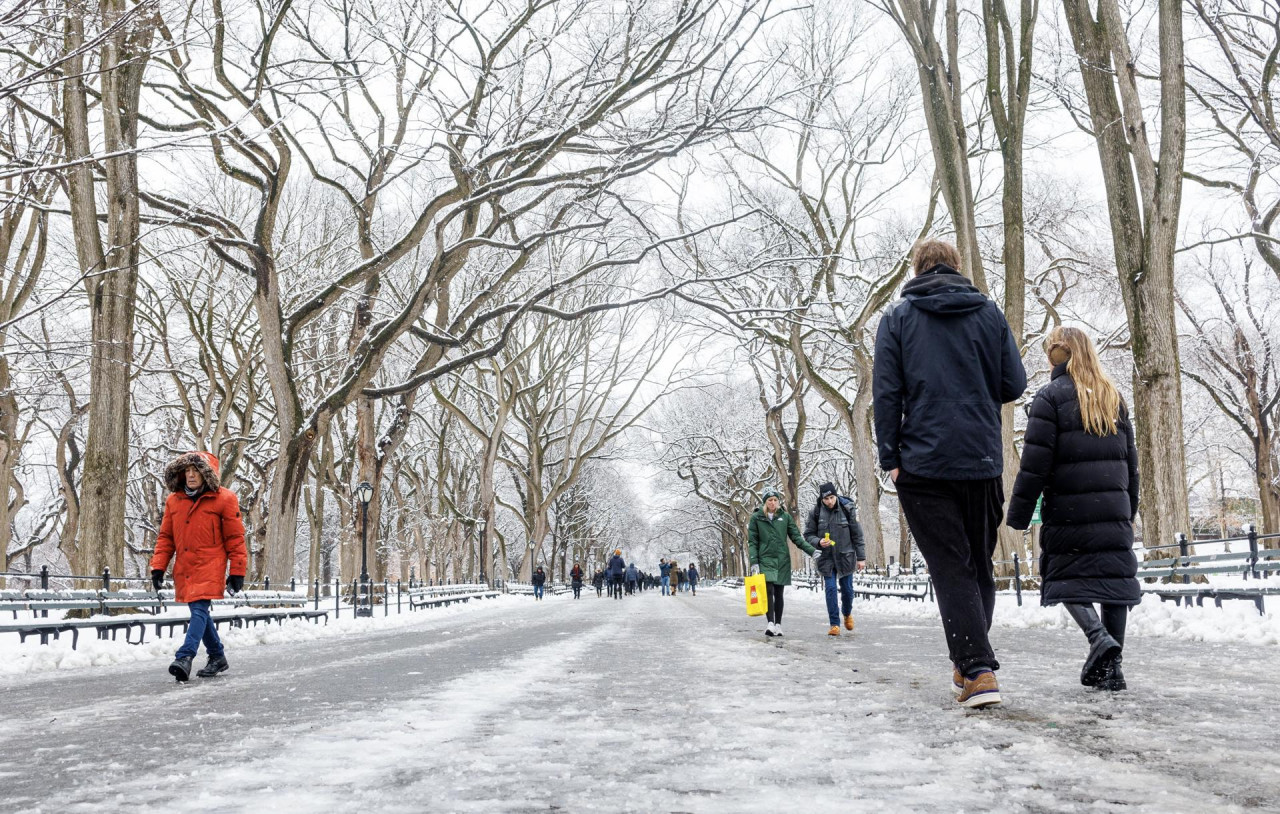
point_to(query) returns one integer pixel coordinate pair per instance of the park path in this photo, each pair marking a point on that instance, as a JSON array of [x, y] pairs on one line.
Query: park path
[[648, 704]]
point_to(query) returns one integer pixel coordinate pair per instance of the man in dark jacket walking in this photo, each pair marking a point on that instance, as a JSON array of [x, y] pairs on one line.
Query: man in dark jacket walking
[[945, 361], [833, 529], [617, 572]]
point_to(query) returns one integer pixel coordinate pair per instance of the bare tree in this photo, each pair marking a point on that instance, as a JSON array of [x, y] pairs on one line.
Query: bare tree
[[1144, 195], [527, 137], [1232, 358]]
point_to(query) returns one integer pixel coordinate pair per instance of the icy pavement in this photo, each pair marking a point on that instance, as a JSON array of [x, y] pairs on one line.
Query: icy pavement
[[650, 704]]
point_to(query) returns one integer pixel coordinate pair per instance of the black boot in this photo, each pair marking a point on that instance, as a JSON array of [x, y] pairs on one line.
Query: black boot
[[181, 668], [213, 667], [1113, 679], [1102, 647]]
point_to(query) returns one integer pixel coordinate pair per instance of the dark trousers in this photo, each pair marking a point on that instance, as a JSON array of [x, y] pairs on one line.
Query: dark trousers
[[615, 587], [577, 590], [774, 614], [954, 524]]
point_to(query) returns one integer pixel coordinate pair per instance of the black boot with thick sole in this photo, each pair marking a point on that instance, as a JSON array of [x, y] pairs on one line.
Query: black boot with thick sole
[[180, 669], [213, 667], [1113, 679]]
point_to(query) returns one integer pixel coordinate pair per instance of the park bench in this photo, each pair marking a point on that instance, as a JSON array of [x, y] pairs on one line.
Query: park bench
[[1177, 573], [900, 587], [420, 598], [249, 607]]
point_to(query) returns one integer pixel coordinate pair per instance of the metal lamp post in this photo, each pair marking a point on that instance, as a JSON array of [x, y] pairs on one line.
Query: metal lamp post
[[364, 493]]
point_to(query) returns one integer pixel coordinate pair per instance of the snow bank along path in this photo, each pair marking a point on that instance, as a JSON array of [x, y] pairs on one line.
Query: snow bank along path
[[650, 704]]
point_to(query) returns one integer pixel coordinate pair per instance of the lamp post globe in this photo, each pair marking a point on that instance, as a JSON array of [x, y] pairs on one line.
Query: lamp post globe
[[364, 494]]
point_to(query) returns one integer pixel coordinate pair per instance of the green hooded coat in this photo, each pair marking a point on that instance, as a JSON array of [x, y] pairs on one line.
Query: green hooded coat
[[767, 544]]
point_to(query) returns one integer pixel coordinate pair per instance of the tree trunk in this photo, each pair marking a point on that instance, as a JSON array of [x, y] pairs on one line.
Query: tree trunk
[[281, 538], [111, 272], [10, 450], [904, 541], [868, 484], [1143, 199]]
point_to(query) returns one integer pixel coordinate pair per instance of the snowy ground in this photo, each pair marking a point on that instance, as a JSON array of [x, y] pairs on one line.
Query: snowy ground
[[653, 704]]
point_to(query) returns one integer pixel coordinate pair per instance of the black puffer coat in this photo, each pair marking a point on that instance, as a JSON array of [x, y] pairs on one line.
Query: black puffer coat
[[1090, 487]]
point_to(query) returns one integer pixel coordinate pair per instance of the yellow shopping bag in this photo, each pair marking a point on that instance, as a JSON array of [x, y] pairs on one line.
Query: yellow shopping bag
[[757, 596]]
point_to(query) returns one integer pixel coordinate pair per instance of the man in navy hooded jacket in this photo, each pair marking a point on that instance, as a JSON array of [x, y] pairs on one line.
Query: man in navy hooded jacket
[[945, 361]]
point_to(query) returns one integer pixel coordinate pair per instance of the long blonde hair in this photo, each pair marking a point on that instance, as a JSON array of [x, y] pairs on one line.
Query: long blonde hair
[[1097, 394]]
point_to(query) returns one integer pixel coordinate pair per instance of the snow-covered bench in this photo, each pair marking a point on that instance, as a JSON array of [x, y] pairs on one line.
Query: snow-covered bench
[[1183, 578], [901, 587], [247, 607], [440, 595]]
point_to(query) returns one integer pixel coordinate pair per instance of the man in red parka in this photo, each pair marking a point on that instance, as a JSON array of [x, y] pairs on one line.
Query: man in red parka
[[202, 527]]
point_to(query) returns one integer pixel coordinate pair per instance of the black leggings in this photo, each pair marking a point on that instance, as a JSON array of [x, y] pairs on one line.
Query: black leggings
[[775, 602], [1113, 620]]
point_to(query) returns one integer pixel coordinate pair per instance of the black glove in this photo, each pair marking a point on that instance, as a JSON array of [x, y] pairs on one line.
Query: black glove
[[235, 583], [157, 579]]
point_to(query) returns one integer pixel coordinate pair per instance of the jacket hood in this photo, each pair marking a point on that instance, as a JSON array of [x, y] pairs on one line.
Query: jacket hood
[[204, 462], [945, 292]]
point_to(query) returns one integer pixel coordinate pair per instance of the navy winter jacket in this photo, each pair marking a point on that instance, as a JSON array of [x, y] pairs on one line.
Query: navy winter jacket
[[539, 578], [945, 362], [1090, 487], [617, 566]]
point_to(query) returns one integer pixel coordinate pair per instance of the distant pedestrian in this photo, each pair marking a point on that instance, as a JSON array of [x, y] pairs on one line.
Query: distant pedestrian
[[945, 361], [833, 528], [597, 579], [633, 577], [1079, 453], [767, 533], [575, 577], [539, 580], [202, 526], [617, 573], [676, 577], [664, 568], [693, 578]]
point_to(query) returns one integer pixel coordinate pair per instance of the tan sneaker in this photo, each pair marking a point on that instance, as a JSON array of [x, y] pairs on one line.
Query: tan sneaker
[[980, 691], [834, 631], [848, 622], [957, 682]]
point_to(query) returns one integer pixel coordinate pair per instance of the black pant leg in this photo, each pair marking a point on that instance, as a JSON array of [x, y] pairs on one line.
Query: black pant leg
[[775, 602], [983, 509], [939, 516]]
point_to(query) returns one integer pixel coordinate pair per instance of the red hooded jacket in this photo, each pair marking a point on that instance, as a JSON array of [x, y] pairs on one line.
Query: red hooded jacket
[[204, 533]]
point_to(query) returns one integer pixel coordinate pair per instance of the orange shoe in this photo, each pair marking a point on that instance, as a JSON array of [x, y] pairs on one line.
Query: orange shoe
[[834, 631], [848, 622], [980, 691]]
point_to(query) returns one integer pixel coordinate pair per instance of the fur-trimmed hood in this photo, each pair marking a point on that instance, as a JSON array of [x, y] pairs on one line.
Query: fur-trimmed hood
[[204, 462]]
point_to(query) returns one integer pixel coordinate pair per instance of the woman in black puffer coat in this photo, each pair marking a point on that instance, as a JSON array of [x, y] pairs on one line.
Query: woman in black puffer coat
[[1079, 452]]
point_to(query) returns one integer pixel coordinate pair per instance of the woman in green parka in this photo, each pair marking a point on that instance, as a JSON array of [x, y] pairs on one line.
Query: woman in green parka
[[767, 534]]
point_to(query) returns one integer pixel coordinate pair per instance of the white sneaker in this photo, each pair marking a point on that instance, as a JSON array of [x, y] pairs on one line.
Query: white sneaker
[[768, 629], [777, 629]]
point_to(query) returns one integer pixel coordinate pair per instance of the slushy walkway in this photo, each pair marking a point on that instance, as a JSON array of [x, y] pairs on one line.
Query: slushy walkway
[[649, 704]]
